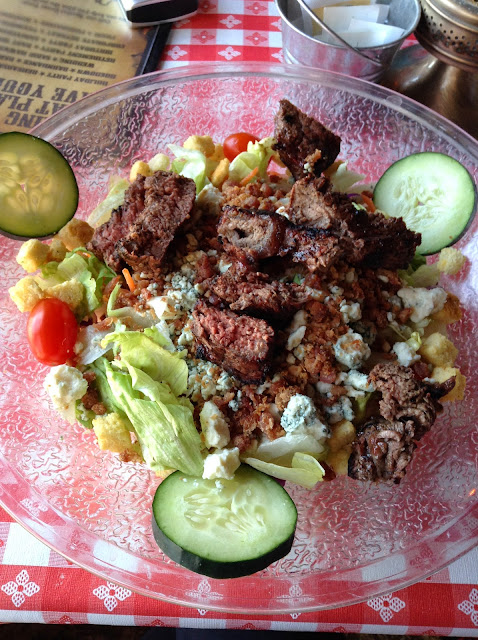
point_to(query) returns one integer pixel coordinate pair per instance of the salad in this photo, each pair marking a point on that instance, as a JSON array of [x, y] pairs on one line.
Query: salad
[[251, 310]]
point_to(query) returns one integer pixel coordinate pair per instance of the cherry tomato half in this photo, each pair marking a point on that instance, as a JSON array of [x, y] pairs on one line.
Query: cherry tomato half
[[52, 330], [236, 143]]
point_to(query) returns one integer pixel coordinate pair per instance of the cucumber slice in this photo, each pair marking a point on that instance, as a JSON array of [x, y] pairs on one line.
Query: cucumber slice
[[433, 193], [38, 189], [224, 528]]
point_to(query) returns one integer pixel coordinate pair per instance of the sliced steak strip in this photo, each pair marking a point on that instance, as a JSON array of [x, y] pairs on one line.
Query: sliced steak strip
[[169, 199], [140, 231], [302, 140], [382, 451], [106, 236], [255, 294], [408, 409], [253, 235], [257, 234], [240, 344], [365, 238]]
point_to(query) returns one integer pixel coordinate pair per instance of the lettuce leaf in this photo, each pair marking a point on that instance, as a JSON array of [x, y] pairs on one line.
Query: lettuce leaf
[[304, 470], [163, 423], [144, 350], [84, 267], [257, 156], [145, 319], [189, 163]]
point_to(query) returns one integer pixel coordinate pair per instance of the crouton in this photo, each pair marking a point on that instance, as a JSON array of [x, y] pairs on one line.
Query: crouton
[[76, 233], [338, 461], [72, 292], [220, 173], [32, 255], [218, 154], [26, 293], [204, 144], [450, 261], [438, 350], [441, 374], [113, 435], [56, 250], [343, 433], [140, 168], [451, 311], [159, 162]]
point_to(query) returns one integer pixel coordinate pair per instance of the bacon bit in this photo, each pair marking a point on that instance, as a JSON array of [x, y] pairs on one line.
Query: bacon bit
[[368, 202], [129, 279], [249, 177]]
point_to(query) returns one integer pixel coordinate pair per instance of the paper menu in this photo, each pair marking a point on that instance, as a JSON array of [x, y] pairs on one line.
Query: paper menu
[[54, 52]]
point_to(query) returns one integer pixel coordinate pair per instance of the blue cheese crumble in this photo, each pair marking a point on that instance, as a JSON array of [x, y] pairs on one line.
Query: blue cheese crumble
[[300, 418]]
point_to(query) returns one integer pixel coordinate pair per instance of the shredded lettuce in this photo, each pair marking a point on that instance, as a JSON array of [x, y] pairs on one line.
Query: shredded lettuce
[[304, 470], [360, 405], [257, 156], [190, 163]]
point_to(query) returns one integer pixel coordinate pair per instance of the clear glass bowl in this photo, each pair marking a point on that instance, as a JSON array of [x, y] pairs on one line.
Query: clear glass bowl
[[354, 540]]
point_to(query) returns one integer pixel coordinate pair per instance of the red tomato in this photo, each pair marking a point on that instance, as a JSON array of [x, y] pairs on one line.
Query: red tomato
[[52, 330], [236, 143]]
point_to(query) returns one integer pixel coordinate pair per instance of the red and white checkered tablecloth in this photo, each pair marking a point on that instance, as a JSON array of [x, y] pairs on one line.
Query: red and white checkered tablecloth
[[38, 585]]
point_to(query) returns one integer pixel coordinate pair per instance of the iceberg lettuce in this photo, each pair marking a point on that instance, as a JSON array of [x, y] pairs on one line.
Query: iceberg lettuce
[[189, 163], [257, 156], [305, 470], [145, 351], [163, 423]]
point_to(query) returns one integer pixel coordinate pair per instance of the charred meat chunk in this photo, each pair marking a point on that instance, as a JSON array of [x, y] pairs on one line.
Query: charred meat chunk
[[408, 409], [252, 235], [302, 140], [317, 249], [257, 234], [255, 294], [365, 238], [140, 231], [382, 450], [169, 199], [105, 238], [240, 344]]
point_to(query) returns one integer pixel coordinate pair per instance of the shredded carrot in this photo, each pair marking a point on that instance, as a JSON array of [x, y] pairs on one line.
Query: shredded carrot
[[368, 202], [129, 280], [249, 177], [85, 254]]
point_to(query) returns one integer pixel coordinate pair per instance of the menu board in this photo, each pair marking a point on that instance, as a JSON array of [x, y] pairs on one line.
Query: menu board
[[53, 52]]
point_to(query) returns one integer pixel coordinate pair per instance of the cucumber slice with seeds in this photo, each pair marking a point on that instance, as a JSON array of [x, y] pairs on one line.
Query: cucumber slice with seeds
[[38, 189], [433, 193], [224, 528]]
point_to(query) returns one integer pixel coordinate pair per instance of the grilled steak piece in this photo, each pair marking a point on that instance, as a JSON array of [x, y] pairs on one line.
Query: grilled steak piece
[[253, 235], [365, 238], [256, 234], [382, 451], [317, 249], [105, 237], [302, 140], [408, 409], [169, 199], [240, 344], [140, 231], [255, 294]]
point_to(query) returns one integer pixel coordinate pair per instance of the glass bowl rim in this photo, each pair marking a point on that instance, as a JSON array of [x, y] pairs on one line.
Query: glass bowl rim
[[54, 126]]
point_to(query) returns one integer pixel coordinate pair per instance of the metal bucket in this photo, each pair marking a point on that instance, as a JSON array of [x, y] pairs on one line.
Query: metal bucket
[[368, 63]]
